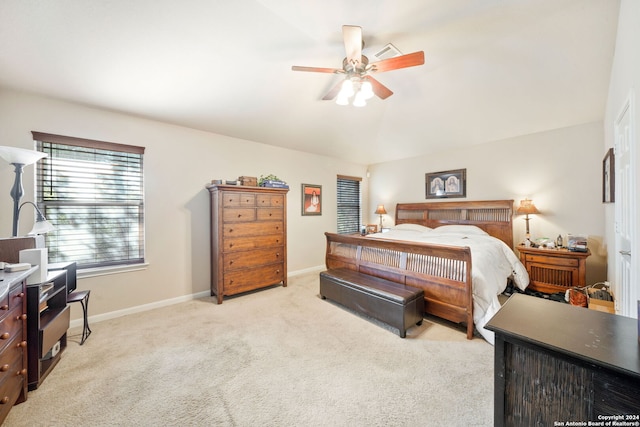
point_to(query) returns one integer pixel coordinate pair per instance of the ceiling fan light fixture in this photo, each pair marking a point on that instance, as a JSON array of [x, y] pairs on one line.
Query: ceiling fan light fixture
[[359, 100], [347, 89], [342, 100], [366, 89]]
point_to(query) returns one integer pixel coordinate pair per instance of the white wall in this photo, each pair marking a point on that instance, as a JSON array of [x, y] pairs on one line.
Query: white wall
[[625, 81], [179, 162], [559, 170]]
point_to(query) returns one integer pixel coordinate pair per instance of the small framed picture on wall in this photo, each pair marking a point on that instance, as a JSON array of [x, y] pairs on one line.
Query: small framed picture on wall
[[311, 199], [608, 177]]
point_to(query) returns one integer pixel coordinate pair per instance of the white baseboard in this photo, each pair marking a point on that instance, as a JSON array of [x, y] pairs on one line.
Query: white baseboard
[[164, 303]]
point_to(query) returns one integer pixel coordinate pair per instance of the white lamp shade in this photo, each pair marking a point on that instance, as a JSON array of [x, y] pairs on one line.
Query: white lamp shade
[[20, 155], [347, 89], [367, 90], [359, 100], [41, 227]]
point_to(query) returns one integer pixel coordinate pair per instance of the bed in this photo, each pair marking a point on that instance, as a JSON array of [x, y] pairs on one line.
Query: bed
[[459, 253]]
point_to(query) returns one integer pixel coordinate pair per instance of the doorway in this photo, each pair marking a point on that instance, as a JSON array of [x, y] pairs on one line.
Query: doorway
[[626, 251]]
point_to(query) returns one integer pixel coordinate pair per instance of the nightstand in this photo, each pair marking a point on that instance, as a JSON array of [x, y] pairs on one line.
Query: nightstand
[[554, 270]]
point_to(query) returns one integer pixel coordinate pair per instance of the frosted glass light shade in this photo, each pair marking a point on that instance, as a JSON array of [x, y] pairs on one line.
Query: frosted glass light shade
[[367, 90], [20, 156]]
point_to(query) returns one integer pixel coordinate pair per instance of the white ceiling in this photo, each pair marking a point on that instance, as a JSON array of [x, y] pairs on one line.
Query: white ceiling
[[493, 69]]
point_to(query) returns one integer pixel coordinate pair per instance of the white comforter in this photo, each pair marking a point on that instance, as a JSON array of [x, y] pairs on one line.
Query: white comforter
[[493, 263]]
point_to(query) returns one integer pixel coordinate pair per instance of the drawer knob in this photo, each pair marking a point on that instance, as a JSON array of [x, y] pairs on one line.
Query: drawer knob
[[4, 307], [277, 254], [4, 368], [230, 245], [20, 295], [22, 372], [5, 336], [231, 262], [239, 215], [21, 317], [231, 230], [4, 400], [22, 344]]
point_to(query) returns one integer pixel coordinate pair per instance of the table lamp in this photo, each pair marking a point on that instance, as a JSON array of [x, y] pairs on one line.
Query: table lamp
[[526, 208], [380, 210]]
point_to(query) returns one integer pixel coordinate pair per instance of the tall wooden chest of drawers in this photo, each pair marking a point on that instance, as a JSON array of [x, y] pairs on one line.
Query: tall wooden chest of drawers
[[248, 238]]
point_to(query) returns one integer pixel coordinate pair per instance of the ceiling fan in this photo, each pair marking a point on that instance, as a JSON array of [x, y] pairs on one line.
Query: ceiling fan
[[358, 81]]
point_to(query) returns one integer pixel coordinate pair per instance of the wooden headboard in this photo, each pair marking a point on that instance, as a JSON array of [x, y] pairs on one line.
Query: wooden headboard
[[493, 216]]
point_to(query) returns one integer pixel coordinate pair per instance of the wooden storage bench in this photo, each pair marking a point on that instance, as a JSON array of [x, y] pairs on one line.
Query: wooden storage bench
[[395, 304]]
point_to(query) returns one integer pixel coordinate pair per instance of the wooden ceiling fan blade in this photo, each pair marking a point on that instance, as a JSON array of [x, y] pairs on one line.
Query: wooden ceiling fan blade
[[316, 69], [404, 61], [333, 92], [379, 89], [352, 43]]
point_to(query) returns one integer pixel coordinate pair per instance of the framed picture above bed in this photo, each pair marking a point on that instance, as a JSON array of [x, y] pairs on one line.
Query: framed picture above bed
[[446, 184], [311, 199]]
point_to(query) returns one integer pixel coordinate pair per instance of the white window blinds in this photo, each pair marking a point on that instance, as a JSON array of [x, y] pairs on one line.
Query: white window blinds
[[348, 204], [92, 192]]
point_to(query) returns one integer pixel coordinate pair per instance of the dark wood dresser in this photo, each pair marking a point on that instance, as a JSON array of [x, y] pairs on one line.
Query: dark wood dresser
[[13, 339], [556, 363], [248, 238]]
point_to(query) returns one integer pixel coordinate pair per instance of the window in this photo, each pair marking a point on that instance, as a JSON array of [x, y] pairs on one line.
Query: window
[[92, 192], [348, 204]]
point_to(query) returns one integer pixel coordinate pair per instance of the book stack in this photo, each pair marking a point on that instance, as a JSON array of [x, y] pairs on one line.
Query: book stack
[[274, 184]]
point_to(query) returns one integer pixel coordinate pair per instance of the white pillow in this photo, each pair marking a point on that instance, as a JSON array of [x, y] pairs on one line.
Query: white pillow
[[461, 229], [412, 227]]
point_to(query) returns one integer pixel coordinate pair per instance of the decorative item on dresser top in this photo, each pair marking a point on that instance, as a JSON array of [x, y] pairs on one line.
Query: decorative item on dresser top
[[248, 238], [13, 339]]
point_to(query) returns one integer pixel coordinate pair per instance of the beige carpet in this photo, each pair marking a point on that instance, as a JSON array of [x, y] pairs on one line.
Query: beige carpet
[[277, 357]]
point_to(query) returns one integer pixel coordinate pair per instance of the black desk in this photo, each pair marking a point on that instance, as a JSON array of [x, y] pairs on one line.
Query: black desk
[[558, 363]]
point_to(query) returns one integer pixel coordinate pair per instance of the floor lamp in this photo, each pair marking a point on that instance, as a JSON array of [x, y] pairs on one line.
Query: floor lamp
[[19, 158]]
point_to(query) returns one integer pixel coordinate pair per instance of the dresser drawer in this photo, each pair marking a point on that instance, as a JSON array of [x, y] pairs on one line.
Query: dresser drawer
[[253, 229], [53, 330], [542, 259], [252, 278], [254, 242], [238, 199], [11, 359], [270, 214], [11, 326], [235, 260], [13, 299], [270, 200], [10, 389], [238, 215]]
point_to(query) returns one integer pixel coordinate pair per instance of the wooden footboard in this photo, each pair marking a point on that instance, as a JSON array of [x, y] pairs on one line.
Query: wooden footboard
[[443, 272]]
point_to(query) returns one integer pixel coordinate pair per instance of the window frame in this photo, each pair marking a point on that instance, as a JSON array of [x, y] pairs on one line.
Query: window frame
[[344, 210], [134, 255]]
